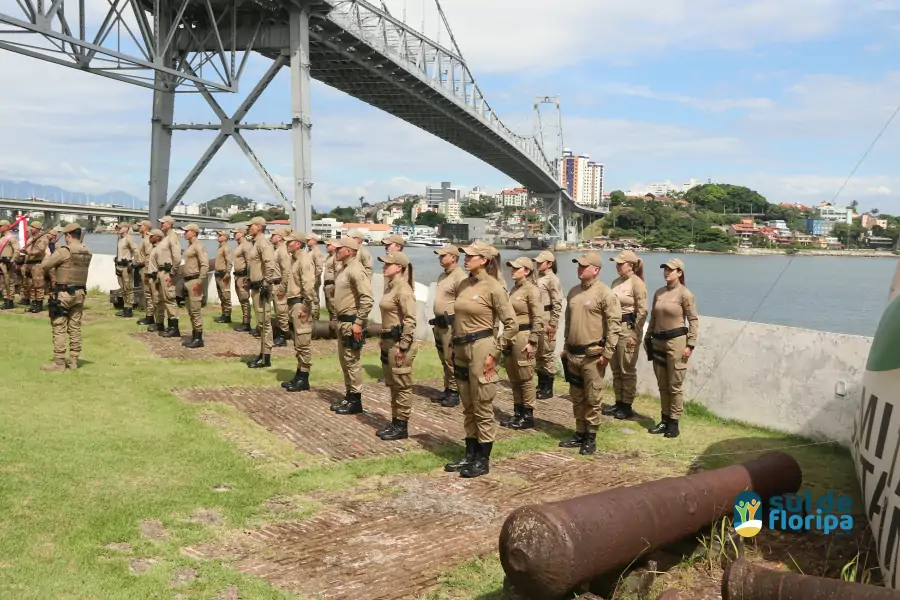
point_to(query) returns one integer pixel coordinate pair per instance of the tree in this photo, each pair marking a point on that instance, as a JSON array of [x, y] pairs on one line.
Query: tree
[[480, 208], [616, 198], [431, 219], [874, 211], [343, 214]]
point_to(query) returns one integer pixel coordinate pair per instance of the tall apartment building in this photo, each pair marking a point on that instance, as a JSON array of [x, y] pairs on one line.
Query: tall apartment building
[[517, 198], [839, 214], [581, 177], [435, 197]]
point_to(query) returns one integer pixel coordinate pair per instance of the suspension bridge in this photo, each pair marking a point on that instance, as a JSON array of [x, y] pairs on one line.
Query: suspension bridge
[[202, 46]]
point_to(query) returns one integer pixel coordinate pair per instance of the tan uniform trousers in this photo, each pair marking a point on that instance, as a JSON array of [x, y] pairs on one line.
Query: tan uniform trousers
[[545, 357], [670, 369], [68, 326], [7, 281], [585, 389], [316, 302], [475, 390], [167, 291], [241, 285], [624, 370], [329, 305], [282, 314], [126, 285], [520, 371], [398, 378], [195, 303], [149, 290], [223, 289], [263, 321], [302, 336], [37, 282], [25, 281], [350, 359], [442, 339], [157, 306]]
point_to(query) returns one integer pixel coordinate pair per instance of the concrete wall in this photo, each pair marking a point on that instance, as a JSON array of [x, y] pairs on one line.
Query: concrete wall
[[794, 380]]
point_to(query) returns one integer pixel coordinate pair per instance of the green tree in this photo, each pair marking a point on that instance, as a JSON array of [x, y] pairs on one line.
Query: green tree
[[431, 219], [617, 198], [345, 214], [478, 208]]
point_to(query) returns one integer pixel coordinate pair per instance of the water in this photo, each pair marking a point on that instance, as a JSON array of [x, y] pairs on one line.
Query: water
[[826, 293]]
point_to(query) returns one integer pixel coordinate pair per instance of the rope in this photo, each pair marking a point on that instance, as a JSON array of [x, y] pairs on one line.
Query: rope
[[694, 457]]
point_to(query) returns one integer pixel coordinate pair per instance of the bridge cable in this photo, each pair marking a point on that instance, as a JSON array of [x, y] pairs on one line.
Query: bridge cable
[[866, 153]]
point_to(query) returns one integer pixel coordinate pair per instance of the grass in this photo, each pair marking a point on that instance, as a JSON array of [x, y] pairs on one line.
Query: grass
[[86, 456]]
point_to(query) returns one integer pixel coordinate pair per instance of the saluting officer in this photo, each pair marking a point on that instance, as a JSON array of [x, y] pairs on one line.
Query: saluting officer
[[551, 298], [158, 253], [300, 290], [223, 277], [140, 268], [398, 342], [282, 272], [262, 280], [525, 299], [70, 265], [670, 344], [444, 299], [363, 256], [9, 247], [241, 276], [196, 268], [593, 326], [126, 251], [312, 243], [35, 249], [168, 269], [482, 303], [631, 291], [353, 302]]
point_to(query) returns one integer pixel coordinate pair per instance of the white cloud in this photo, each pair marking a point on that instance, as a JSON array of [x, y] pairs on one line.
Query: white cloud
[[705, 104]]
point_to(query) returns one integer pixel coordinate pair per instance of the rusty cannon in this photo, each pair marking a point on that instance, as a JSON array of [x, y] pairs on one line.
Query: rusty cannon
[[744, 581], [549, 549]]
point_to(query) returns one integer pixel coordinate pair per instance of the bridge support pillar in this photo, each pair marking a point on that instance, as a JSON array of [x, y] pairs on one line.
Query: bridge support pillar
[[161, 121], [301, 126]]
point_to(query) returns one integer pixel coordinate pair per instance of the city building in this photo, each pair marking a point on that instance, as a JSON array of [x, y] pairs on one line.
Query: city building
[[373, 232], [451, 210], [581, 177], [868, 221], [516, 198], [663, 189], [838, 214], [477, 193], [745, 230], [327, 228], [435, 197], [819, 227]]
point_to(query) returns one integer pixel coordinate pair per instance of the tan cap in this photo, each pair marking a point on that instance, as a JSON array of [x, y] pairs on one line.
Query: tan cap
[[168, 219], [395, 258], [626, 256], [591, 259], [330, 241], [356, 233], [123, 224], [240, 229], [157, 232], [522, 261], [296, 236], [36, 224], [675, 263], [258, 221], [70, 227], [282, 232], [4, 223], [480, 249], [146, 223], [52, 232], [394, 238], [191, 227], [347, 242], [312, 238], [448, 249], [222, 233], [545, 256]]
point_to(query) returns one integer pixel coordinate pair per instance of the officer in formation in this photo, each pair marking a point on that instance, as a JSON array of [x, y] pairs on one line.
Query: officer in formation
[[329, 272], [126, 253], [168, 263], [195, 270], [242, 276], [282, 271], [33, 255], [551, 298], [312, 244], [224, 263], [261, 282], [9, 249], [442, 324], [299, 297], [140, 270], [154, 274], [364, 257]]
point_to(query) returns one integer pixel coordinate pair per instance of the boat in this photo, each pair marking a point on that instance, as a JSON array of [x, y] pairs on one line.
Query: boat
[[421, 241]]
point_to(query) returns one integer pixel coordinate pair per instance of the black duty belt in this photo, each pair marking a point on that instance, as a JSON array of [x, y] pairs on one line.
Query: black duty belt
[[221, 273], [328, 282], [152, 275], [472, 337], [548, 307], [579, 350], [442, 321], [241, 273], [293, 301], [191, 277], [256, 285], [346, 318], [166, 267], [33, 262], [393, 333], [669, 334], [5, 260], [525, 326], [629, 318], [138, 266], [71, 289], [276, 281], [123, 263]]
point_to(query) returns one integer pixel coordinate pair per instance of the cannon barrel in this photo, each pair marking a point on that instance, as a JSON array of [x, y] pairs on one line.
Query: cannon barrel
[[322, 330], [548, 549], [744, 581]]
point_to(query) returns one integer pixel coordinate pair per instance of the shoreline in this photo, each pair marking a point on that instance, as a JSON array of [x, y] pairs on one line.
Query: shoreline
[[769, 252]]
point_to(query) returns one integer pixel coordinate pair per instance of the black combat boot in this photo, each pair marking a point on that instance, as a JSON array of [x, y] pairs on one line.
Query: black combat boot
[[261, 361], [468, 459], [399, 432], [8, 304], [128, 312], [525, 420], [159, 328], [148, 320], [442, 397], [387, 429], [482, 464], [242, 328], [302, 384], [279, 339], [546, 391], [36, 306], [257, 332], [291, 382], [589, 446], [672, 429], [660, 427], [609, 411], [342, 402], [196, 340], [623, 411], [173, 330], [223, 318], [353, 407], [575, 441], [517, 413], [451, 399], [24, 301]]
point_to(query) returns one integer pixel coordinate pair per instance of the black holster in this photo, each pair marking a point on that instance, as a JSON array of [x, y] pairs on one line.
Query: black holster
[[55, 308], [648, 346], [350, 341]]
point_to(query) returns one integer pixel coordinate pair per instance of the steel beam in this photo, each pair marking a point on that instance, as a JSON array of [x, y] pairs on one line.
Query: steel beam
[[160, 135], [301, 132]]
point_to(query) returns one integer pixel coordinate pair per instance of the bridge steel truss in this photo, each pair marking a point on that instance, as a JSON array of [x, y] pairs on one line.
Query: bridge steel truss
[[193, 46]]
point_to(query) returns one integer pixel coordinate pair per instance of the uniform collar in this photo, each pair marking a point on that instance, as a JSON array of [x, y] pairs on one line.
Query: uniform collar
[[480, 276], [451, 269], [590, 284], [672, 286], [519, 283], [298, 252]]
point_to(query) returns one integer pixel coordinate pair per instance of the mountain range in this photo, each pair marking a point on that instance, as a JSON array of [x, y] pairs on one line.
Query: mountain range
[[51, 193]]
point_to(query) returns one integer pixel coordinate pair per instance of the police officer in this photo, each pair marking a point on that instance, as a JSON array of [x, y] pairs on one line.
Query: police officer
[[670, 344], [482, 303], [363, 256], [551, 298], [126, 251], [312, 243], [195, 270], [393, 243], [328, 275], [444, 298], [168, 269], [140, 268], [353, 302], [70, 266], [9, 248], [262, 280], [159, 253], [241, 276], [223, 277], [282, 272], [525, 299], [34, 251], [300, 290], [593, 327], [631, 291], [398, 343]]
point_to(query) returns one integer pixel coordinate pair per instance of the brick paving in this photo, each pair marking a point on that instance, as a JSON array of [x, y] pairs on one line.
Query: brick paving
[[395, 546]]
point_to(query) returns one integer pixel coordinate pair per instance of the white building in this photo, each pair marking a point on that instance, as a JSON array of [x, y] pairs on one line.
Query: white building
[[838, 214], [451, 210], [581, 177], [477, 193], [515, 198], [435, 197], [327, 228], [662, 189]]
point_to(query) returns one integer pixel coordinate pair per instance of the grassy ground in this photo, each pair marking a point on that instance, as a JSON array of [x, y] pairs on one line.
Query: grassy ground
[[86, 457]]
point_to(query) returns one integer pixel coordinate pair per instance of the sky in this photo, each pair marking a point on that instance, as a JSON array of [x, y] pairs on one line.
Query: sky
[[783, 96]]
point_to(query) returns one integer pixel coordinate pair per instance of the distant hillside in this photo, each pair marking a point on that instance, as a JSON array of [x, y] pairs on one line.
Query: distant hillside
[[225, 202], [52, 193]]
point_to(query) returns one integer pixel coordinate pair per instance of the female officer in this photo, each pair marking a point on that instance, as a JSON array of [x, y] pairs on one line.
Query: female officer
[[551, 299], [525, 299], [670, 344], [631, 291], [398, 343], [481, 305]]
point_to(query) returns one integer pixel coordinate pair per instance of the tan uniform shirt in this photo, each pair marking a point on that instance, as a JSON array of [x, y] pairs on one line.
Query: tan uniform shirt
[[551, 295], [163, 252], [672, 306], [153, 256], [196, 259], [262, 260], [593, 314], [126, 249], [300, 282], [282, 267], [36, 248], [144, 249], [632, 294], [172, 240], [223, 259], [330, 269], [353, 291], [365, 259], [525, 299], [482, 302], [318, 263], [445, 291], [398, 308], [242, 257], [70, 264], [11, 248]]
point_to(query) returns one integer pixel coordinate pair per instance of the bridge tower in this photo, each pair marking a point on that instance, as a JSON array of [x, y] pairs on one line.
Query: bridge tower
[[549, 135]]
